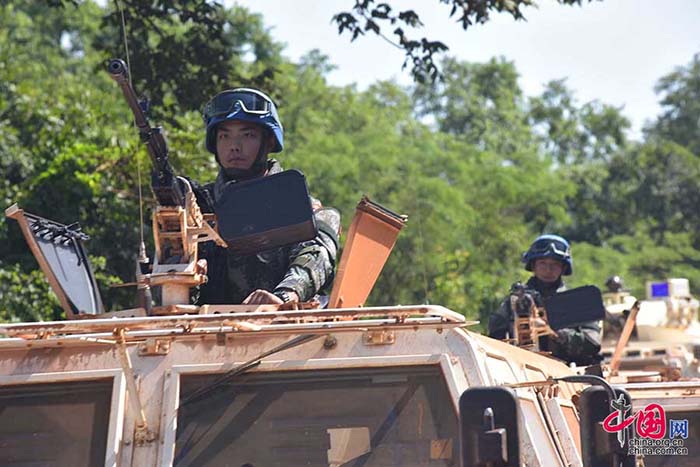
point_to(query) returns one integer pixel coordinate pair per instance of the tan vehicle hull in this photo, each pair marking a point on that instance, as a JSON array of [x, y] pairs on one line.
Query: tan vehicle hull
[[163, 352]]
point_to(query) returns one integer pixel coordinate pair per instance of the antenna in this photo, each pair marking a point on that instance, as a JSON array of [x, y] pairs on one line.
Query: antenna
[[142, 262]]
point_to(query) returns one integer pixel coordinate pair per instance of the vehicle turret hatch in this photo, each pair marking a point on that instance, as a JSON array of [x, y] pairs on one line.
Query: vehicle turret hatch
[[60, 252]]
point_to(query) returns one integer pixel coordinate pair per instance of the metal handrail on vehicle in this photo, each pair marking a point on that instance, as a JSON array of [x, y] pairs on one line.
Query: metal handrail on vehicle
[[273, 322]]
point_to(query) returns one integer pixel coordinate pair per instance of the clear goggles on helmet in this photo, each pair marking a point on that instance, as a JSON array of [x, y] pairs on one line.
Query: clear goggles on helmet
[[250, 101], [546, 245]]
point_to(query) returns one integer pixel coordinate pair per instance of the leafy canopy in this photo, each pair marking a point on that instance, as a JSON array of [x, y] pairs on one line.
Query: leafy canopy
[[479, 168]]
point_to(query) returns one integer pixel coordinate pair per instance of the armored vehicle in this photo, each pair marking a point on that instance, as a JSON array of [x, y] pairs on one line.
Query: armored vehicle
[[269, 384], [326, 382], [665, 337], [364, 386], [286, 385]]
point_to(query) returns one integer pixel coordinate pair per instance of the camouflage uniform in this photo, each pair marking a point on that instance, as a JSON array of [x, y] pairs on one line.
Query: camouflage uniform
[[579, 344], [304, 268]]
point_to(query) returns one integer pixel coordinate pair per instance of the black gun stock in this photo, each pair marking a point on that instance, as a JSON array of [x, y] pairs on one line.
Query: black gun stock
[[163, 181]]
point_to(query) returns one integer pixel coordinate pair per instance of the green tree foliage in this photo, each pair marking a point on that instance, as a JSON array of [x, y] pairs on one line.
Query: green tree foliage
[[183, 52], [573, 134], [659, 184], [481, 104], [584, 140], [680, 101], [479, 169]]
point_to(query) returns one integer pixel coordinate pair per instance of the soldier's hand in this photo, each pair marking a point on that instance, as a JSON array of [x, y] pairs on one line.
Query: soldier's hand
[[262, 297]]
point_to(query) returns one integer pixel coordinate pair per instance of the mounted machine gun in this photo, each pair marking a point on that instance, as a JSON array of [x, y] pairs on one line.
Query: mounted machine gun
[[535, 317], [178, 223], [529, 317]]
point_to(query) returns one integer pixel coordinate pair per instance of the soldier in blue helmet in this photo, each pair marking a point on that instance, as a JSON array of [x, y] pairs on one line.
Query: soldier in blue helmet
[[549, 258], [242, 129]]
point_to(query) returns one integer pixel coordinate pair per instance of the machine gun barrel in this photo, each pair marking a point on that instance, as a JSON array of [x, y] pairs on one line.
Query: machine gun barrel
[[163, 181]]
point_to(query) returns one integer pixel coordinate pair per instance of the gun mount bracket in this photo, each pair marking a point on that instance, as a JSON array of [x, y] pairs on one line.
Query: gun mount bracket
[[153, 347], [379, 337]]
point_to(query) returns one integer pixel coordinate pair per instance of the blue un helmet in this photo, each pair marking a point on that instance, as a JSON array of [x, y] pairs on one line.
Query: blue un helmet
[[549, 246], [244, 104]]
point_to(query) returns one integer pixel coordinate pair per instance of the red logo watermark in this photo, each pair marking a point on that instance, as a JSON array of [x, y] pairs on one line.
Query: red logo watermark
[[650, 428], [651, 420]]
